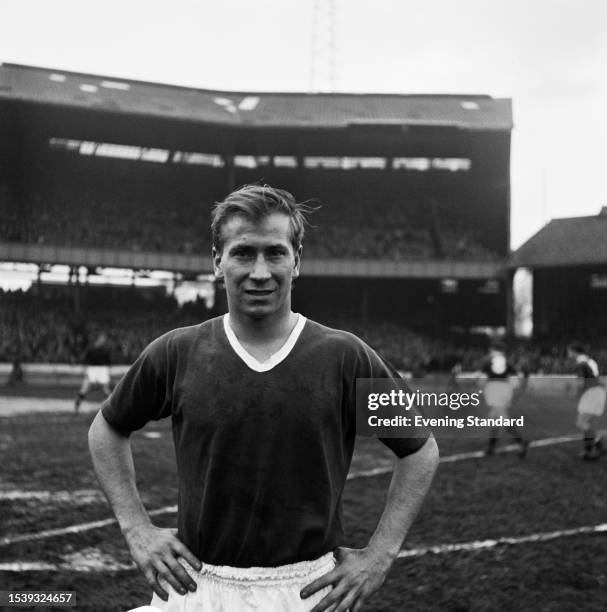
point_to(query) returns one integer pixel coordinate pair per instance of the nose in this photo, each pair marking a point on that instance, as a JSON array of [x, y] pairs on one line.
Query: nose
[[260, 271]]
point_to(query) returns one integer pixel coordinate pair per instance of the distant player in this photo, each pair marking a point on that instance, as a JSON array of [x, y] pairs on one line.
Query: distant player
[[452, 382], [591, 403], [97, 361], [499, 392]]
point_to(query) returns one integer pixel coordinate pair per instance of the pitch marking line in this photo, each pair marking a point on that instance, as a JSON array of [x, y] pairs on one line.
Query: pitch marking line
[[103, 564], [486, 544], [509, 448], [49, 533], [27, 566], [82, 496], [6, 540]]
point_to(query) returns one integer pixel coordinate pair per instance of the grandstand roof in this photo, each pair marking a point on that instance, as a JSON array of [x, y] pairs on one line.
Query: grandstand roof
[[566, 242], [253, 109]]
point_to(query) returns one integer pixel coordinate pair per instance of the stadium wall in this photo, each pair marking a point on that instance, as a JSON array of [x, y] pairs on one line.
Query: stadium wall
[[570, 302], [417, 303]]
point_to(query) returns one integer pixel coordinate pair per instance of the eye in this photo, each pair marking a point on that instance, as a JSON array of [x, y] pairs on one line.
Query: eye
[[276, 252], [242, 253]]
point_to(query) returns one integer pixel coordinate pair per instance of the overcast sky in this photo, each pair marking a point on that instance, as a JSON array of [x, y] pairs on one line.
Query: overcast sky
[[549, 56]]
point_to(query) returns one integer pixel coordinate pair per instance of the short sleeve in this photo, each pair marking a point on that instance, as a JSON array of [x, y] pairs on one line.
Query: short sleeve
[[144, 392], [371, 365]]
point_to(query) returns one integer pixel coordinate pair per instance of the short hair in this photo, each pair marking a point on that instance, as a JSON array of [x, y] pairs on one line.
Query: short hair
[[497, 345], [254, 202], [577, 347]]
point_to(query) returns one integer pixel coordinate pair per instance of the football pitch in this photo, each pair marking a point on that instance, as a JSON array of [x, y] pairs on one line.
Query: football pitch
[[494, 533]]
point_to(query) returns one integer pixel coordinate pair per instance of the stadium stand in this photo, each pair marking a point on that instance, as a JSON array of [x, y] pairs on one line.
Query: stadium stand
[[42, 326], [48, 329], [85, 202], [77, 200], [568, 261], [125, 174]]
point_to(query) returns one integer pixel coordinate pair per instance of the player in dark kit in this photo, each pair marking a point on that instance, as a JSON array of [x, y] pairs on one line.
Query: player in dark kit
[[97, 372], [262, 402], [499, 393], [591, 404]]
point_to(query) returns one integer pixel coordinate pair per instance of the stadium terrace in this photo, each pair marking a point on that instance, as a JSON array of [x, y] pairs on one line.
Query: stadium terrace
[[414, 218]]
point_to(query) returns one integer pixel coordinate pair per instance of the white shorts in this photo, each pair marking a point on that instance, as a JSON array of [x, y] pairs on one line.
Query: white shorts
[[221, 588], [592, 402], [99, 375], [498, 397]]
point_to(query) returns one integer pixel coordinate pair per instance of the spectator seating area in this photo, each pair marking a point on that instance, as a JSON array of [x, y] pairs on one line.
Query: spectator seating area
[[41, 325], [47, 329], [62, 198]]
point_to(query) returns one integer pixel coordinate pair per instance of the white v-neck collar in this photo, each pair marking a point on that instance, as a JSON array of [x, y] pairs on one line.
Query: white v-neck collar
[[280, 355]]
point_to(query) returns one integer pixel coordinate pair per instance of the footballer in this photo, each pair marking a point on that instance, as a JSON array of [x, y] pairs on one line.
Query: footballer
[[262, 404], [499, 394], [591, 403], [97, 362]]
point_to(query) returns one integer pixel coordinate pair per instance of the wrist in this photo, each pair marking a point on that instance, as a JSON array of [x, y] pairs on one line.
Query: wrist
[[384, 556], [131, 526]]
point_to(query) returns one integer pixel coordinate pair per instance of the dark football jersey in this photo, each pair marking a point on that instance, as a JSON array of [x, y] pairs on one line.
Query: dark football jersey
[[588, 370], [262, 456], [97, 356]]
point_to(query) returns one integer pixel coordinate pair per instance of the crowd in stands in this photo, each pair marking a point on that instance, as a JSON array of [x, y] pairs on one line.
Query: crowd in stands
[[110, 204], [48, 329], [66, 199]]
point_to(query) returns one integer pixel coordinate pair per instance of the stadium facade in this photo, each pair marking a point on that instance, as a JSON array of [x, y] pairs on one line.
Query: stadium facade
[[568, 260], [415, 189]]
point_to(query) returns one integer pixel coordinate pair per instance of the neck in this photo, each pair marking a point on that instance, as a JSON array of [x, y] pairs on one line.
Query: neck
[[264, 329]]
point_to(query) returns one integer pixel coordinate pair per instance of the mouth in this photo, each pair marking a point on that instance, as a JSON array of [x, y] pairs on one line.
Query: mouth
[[259, 292]]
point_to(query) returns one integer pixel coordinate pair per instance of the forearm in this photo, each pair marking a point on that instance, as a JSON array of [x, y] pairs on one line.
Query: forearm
[[113, 463], [155, 550], [410, 482]]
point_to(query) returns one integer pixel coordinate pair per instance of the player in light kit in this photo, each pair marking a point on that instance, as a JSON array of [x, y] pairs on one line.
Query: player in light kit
[[591, 404], [499, 393], [97, 372], [262, 402]]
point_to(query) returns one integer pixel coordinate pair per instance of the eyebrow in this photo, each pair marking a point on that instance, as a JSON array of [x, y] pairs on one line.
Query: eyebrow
[[240, 247], [274, 245]]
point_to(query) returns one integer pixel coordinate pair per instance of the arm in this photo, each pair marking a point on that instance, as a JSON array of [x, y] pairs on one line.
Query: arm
[[155, 550], [580, 382], [361, 572]]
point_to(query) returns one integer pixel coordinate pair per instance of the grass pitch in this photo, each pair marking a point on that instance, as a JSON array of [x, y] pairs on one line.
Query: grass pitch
[[471, 500]]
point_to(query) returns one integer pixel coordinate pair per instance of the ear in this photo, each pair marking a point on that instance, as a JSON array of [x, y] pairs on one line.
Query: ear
[[217, 269], [297, 262]]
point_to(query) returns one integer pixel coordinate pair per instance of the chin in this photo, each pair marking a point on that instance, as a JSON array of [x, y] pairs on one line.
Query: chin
[[259, 312]]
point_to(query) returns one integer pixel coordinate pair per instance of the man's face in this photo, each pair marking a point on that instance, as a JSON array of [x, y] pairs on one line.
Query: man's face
[[257, 265]]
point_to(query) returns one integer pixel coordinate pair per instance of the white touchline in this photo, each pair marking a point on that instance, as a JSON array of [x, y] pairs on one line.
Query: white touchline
[[4, 541], [28, 566], [478, 545], [509, 448], [485, 544], [79, 495], [93, 566], [49, 533]]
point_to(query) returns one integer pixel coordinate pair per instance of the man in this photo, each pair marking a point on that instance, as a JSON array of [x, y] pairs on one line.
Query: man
[[591, 403], [97, 372], [263, 410], [499, 392]]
